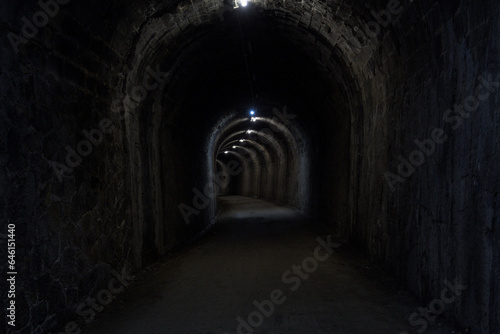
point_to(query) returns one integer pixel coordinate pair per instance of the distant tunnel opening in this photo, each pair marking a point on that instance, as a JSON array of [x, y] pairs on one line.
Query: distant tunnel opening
[[262, 155]]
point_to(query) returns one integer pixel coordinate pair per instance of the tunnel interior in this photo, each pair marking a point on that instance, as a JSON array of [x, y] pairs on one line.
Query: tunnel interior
[[123, 122], [226, 71]]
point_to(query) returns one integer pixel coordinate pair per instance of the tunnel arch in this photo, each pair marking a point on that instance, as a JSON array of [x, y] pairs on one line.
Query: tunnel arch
[[235, 129], [266, 162], [146, 52]]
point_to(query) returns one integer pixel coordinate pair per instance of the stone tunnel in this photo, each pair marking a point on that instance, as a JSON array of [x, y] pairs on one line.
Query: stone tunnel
[[128, 127]]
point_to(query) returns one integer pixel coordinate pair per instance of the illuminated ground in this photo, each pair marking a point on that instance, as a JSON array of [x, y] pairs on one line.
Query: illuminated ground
[[205, 287]]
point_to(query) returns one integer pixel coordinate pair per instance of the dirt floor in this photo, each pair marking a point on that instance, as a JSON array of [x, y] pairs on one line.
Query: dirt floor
[[218, 283]]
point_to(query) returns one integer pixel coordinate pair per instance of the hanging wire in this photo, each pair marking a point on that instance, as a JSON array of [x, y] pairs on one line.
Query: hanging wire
[[245, 56]]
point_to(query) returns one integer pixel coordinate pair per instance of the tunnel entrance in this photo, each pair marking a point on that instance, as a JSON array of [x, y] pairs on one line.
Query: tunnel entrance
[[294, 149]]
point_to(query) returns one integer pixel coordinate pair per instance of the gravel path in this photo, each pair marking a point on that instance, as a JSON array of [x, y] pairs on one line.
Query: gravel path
[[239, 278]]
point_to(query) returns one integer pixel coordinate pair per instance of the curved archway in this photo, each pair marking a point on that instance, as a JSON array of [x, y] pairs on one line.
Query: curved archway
[[159, 118], [284, 170]]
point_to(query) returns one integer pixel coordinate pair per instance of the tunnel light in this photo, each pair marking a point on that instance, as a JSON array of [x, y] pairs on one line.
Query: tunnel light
[[241, 140], [253, 119], [234, 146], [252, 112], [243, 3], [249, 131], [226, 152]]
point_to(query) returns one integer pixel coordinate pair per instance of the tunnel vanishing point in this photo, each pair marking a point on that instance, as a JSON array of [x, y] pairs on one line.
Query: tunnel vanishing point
[[123, 121]]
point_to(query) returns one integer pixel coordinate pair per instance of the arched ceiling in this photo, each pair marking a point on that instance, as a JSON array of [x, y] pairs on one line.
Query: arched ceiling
[[204, 44]]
